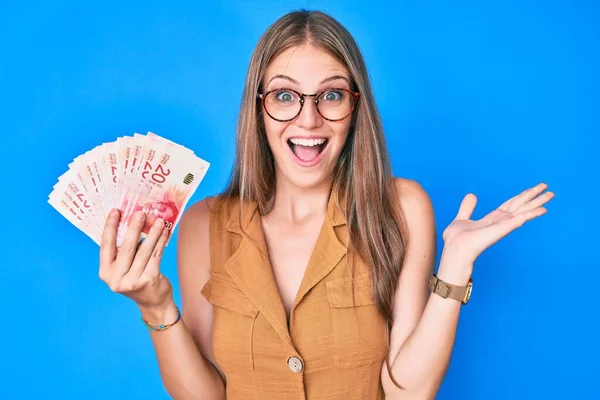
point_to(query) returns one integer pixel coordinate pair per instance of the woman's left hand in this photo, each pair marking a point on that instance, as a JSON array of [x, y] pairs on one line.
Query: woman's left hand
[[466, 239]]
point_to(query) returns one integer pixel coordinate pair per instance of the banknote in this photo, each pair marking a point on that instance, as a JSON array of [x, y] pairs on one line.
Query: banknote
[[164, 181], [70, 196], [147, 173]]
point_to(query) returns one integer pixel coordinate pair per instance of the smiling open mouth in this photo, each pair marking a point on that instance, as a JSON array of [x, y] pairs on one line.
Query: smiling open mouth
[[307, 149]]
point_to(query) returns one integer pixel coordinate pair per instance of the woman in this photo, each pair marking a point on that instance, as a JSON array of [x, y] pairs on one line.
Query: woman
[[311, 276]]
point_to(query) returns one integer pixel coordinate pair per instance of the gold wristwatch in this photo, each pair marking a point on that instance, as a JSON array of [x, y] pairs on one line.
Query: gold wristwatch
[[447, 290]]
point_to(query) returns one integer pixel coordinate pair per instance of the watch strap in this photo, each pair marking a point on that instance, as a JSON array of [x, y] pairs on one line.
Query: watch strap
[[448, 290]]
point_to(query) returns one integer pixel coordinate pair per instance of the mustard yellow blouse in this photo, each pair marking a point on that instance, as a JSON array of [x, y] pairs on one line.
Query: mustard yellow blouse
[[336, 341]]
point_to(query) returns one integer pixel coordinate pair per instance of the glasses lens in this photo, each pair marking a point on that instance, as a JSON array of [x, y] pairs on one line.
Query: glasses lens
[[336, 104], [282, 104]]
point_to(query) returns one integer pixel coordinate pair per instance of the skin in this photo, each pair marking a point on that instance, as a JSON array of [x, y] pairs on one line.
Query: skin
[[303, 69], [424, 325], [301, 193]]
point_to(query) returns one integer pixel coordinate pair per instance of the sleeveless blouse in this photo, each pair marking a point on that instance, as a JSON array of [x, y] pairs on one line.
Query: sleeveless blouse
[[336, 340]]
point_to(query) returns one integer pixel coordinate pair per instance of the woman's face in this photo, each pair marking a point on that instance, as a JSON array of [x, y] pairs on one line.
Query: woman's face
[[306, 149]]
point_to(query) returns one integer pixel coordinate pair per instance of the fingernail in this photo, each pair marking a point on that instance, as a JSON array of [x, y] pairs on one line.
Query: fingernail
[[113, 213], [139, 215], [159, 222]]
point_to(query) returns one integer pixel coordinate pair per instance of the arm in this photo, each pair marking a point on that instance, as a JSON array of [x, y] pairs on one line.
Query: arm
[[425, 324], [423, 331], [134, 271], [184, 351]]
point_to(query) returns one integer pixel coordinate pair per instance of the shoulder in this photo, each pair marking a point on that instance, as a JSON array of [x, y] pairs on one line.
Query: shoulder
[[196, 219], [193, 249], [414, 200], [200, 211], [193, 230]]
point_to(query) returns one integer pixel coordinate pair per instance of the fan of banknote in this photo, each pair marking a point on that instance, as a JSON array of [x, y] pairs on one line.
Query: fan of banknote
[[139, 172]]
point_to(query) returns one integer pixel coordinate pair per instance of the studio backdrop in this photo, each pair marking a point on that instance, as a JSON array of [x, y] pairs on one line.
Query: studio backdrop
[[488, 97]]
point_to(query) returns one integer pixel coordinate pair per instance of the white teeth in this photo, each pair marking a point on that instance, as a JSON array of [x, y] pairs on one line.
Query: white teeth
[[308, 142]]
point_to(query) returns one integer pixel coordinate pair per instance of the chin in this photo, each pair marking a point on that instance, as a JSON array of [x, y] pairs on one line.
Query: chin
[[306, 181], [304, 178]]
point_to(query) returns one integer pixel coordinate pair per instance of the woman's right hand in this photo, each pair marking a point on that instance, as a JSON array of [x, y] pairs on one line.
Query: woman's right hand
[[132, 269]]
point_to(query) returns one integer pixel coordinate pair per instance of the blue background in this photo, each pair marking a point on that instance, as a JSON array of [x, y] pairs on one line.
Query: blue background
[[483, 97]]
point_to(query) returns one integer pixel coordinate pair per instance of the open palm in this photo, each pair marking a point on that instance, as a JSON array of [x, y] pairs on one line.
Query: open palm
[[471, 237]]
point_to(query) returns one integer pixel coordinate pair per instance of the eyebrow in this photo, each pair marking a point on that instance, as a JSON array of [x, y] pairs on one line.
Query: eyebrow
[[295, 82]]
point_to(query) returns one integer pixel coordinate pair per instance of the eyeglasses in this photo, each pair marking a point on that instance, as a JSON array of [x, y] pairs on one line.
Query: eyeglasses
[[284, 105]]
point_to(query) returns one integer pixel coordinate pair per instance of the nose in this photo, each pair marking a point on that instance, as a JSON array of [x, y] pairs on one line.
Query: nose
[[309, 117]]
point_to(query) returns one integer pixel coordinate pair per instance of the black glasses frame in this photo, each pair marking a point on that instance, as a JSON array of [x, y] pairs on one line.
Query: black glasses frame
[[302, 96]]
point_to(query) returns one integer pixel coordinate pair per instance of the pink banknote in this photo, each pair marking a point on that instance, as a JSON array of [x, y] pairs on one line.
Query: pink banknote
[[145, 173]]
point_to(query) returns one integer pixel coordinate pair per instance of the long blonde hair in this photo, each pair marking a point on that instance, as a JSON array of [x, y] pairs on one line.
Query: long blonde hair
[[363, 172]]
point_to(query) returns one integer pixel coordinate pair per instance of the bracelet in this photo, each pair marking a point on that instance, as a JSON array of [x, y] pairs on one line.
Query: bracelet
[[162, 327]]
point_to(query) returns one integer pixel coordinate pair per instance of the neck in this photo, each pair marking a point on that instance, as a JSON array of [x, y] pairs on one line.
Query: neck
[[298, 204]]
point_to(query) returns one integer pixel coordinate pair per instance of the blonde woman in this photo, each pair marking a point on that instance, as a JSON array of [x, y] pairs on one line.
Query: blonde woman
[[311, 276]]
